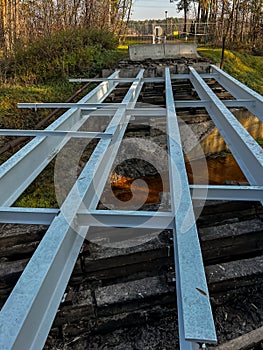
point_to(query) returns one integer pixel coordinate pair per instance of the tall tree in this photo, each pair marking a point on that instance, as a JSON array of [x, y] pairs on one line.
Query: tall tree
[[9, 22], [184, 5]]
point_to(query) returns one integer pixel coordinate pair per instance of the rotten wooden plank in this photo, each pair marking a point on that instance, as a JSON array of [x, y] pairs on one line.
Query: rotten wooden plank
[[244, 342]]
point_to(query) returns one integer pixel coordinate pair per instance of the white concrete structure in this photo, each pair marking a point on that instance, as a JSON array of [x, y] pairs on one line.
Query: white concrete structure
[[160, 51]]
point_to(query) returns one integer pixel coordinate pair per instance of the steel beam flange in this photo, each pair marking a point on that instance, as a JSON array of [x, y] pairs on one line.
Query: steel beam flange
[[122, 218], [56, 133], [235, 193], [244, 148]]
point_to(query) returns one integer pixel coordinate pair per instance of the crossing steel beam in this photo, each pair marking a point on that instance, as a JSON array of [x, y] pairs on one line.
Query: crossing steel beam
[[38, 216], [235, 193], [58, 133], [161, 220], [66, 105], [122, 218], [144, 80], [204, 103]]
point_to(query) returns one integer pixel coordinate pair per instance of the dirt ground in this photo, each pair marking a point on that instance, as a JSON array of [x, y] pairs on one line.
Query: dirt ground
[[241, 312]]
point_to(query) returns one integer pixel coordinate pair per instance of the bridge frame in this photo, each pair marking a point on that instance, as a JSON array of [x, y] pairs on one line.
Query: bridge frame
[[27, 316]]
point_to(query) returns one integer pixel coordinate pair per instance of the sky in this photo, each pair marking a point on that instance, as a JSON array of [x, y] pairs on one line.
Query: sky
[[153, 9]]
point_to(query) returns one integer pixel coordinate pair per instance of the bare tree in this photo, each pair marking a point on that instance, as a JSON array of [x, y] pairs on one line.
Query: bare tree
[[28, 19]]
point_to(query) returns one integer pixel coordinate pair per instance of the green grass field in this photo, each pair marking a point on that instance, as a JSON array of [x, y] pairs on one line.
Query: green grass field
[[242, 66]]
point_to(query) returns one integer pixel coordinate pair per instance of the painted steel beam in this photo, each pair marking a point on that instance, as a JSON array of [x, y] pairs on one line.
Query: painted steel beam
[[240, 91], [19, 171], [87, 80], [244, 148], [27, 316], [119, 80], [235, 193], [45, 216], [161, 220], [97, 218], [194, 311], [178, 104], [56, 133], [144, 80]]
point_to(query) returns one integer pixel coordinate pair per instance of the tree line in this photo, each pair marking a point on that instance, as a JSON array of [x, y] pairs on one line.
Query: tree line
[[235, 21], [22, 21]]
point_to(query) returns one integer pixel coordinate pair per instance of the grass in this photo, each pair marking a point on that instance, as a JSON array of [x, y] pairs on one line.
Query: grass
[[242, 66], [30, 76], [11, 95]]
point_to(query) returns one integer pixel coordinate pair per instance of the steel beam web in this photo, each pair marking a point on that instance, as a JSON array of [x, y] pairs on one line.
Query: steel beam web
[[68, 134], [38, 216], [81, 104], [235, 193], [194, 311], [27, 316]]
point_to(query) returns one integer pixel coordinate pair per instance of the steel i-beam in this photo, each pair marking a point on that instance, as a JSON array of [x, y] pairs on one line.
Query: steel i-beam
[[194, 311]]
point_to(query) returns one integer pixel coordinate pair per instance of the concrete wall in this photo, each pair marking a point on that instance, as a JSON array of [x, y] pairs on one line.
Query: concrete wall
[[160, 51]]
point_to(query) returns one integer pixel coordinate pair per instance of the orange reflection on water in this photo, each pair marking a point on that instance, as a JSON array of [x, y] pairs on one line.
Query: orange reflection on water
[[220, 170], [122, 188]]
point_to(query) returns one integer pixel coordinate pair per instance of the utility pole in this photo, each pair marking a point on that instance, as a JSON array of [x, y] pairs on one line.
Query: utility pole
[[166, 24]]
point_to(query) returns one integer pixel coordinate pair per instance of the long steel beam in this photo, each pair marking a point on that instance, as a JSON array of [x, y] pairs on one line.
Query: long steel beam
[[98, 218], [27, 316], [45, 216], [107, 107], [194, 311], [244, 148], [220, 192], [24, 166], [204, 103], [240, 91], [66, 105], [38, 216], [183, 76], [113, 218], [57, 133]]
